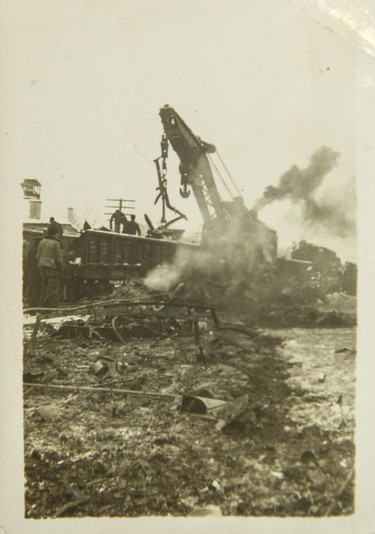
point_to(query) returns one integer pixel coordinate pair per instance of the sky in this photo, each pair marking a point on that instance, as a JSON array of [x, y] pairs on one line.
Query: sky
[[262, 80]]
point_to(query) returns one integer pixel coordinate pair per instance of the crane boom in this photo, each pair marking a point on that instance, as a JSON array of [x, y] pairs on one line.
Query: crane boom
[[239, 248], [194, 166]]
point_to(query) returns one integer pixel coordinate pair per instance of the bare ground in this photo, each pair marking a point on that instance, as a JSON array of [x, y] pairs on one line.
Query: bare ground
[[290, 452]]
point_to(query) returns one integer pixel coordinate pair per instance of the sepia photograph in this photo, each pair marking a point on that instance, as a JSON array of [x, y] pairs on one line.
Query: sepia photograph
[[186, 178]]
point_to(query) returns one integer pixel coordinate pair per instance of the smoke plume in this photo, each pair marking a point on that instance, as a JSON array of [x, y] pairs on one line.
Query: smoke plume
[[228, 260], [300, 184], [334, 213]]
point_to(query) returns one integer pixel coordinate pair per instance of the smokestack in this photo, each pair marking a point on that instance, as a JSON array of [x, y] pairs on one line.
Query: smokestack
[[70, 215], [35, 209]]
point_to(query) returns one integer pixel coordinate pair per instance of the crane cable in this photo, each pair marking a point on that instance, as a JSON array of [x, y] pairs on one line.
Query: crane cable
[[229, 174], [220, 175]]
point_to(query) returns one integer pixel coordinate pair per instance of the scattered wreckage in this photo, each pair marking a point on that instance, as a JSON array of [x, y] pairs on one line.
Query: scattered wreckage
[[111, 426], [121, 321]]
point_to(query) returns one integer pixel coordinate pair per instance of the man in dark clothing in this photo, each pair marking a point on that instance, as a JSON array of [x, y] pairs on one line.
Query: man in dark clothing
[[119, 219], [33, 276], [131, 227], [50, 266], [56, 227]]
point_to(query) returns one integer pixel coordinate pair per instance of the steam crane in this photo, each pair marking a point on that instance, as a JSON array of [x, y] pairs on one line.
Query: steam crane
[[229, 220], [195, 168], [245, 247]]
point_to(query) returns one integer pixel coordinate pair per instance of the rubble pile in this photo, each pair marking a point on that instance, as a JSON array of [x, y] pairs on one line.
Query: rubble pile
[[314, 274], [302, 316], [135, 290]]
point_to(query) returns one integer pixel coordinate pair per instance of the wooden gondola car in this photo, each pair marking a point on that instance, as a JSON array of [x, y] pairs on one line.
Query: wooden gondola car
[[95, 258], [110, 256]]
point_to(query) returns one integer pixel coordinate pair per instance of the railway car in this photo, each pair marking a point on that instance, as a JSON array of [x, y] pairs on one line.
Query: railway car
[[110, 256], [95, 259]]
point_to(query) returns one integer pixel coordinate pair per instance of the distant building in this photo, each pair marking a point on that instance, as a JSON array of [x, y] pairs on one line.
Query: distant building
[[31, 194], [40, 228], [31, 188], [33, 208]]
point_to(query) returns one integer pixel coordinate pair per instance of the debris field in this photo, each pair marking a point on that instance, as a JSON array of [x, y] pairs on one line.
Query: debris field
[[139, 409]]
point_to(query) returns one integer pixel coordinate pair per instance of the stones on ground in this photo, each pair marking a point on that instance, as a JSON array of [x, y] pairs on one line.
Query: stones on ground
[[217, 486], [231, 411], [210, 510], [345, 351], [93, 354], [308, 456], [31, 376], [48, 413]]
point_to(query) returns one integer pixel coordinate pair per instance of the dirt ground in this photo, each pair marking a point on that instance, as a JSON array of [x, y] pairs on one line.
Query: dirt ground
[[288, 452]]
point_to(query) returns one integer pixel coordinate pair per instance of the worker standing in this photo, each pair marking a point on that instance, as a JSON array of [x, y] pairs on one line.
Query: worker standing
[[50, 266], [118, 218], [33, 276], [132, 227], [57, 228]]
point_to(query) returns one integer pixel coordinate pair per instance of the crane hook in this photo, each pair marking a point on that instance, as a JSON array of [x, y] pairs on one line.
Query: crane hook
[[184, 192]]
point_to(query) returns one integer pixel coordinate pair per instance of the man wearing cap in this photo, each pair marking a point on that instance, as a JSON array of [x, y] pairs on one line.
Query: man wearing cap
[[56, 227], [50, 266]]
